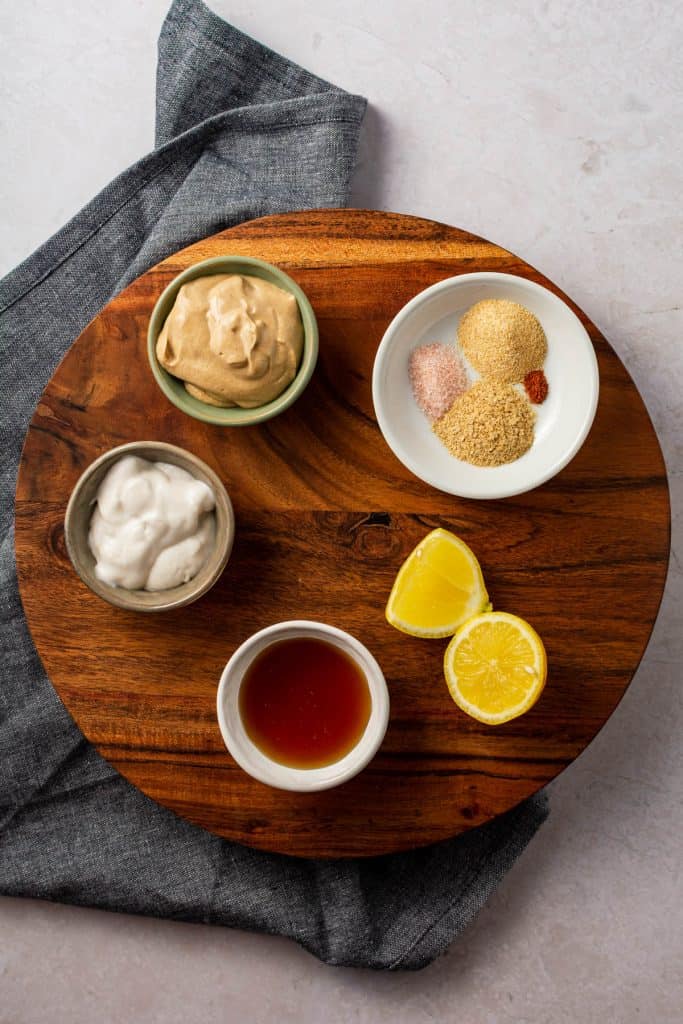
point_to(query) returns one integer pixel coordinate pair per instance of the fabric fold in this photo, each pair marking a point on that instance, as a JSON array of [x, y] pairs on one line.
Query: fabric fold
[[242, 73], [240, 132]]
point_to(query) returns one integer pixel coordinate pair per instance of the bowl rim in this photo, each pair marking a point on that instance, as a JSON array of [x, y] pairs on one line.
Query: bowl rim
[[233, 416], [273, 773], [404, 457], [117, 596]]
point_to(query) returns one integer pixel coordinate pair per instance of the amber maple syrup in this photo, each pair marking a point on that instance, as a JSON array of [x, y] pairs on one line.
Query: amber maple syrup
[[304, 702]]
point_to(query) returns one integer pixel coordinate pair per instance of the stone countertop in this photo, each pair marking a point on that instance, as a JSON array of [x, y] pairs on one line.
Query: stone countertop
[[552, 128]]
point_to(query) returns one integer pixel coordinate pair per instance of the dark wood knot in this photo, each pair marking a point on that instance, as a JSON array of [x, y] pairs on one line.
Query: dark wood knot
[[56, 543], [374, 537]]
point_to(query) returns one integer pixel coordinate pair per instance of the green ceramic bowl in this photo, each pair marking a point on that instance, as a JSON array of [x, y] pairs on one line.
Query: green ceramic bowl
[[174, 388]]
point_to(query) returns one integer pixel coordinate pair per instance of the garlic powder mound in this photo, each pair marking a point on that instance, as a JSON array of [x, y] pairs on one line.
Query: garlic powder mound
[[502, 339]]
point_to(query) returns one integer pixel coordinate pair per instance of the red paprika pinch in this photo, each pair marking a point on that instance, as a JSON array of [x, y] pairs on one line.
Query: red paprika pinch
[[536, 386]]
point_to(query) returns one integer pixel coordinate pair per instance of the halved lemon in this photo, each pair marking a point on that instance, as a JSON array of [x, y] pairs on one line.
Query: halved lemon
[[495, 667], [438, 587]]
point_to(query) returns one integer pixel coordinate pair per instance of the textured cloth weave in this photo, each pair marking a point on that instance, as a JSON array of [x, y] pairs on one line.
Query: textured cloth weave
[[240, 132]]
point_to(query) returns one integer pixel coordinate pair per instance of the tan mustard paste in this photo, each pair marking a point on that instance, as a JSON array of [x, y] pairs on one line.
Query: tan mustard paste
[[233, 339]]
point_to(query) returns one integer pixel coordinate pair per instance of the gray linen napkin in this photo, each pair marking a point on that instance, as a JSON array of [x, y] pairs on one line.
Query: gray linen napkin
[[240, 132]]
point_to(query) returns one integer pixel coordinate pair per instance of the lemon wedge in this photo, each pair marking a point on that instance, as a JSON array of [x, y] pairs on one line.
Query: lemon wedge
[[495, 667], [438, 587]]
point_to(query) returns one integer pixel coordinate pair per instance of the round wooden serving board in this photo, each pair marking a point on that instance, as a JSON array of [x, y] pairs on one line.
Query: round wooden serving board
[[325, 516]]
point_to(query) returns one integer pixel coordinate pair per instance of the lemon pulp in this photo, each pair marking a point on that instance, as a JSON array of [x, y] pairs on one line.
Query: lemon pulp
[[495, 667], [438, 587]]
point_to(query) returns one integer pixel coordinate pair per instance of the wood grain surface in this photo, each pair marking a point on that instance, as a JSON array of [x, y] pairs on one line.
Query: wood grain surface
[[325, 515]]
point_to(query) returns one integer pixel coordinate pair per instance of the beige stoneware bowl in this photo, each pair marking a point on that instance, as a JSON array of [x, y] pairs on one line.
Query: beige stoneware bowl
[[79, 512]]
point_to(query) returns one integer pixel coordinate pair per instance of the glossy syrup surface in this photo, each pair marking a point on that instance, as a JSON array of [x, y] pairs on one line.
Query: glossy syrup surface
[[304, 702]]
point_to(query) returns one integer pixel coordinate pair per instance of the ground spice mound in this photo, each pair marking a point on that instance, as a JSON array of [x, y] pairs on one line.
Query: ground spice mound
[[502, 339], [437, 376], [536, 386], [487, 426]]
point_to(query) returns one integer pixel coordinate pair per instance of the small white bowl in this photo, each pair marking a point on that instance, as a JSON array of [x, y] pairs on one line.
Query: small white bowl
[[562, 421], [259, 765]]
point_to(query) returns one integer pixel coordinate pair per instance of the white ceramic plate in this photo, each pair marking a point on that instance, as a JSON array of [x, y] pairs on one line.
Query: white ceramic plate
[[562, 421], [252, 759]]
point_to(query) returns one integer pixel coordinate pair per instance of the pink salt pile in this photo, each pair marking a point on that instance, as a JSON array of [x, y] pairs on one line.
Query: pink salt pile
[[437, 377]]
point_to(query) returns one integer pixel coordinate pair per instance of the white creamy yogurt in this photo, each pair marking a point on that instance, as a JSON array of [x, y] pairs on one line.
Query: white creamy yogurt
[[153, 525]]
